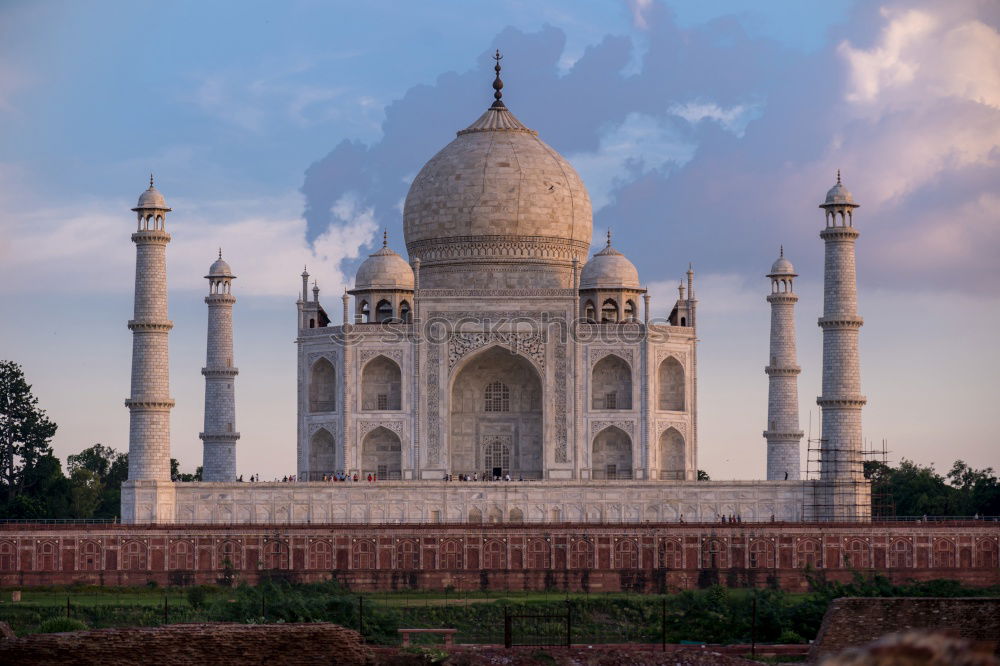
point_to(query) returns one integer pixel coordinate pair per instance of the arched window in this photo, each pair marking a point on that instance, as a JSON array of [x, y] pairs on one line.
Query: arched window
[[404, 312], [714, 554], [90, 557], [611, 456], [672, 456], [581, 555], [671, 555], [134, 556], [900, 554], [381, 385], [383, 311], [516, 516], [475, 515], [8, 556], [944, 553], [590, 312], [320, 555], [497, 397], [611, 384], [363, 554], [407, 555], [181, 556], [365, 312], [857, 555], [538, 554], [322, 454], [609, 311], [230, 555], [626, 554], [496, 455], [494, 555], [761, 554], [451, 554], [381, 454], [986, 554], [630, 311], [671, 385], [808, 553], [322, 387]]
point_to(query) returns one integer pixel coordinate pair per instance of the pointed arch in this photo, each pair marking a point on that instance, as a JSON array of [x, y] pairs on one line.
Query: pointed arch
[[322, 453], [590, 312], [761, 554], [494, 555], [382, 454], [809, 553], [611, 454], [631, 312], [383, 311], [496, 396], [611, 383], [672, 458], [381, 385], [405, 314], [609, 311], [365, 312], [670, 384], [322, 386], [407, 555], [475, 515]]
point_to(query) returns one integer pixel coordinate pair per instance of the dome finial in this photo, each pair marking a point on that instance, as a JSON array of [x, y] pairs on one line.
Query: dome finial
[[782, 253], [497, 83], [220, 253], [609, 236], [150, 180], [385, 238], [838, 177]]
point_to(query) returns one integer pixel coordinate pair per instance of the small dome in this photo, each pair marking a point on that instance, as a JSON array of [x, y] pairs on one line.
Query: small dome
[[151, 198], [609, 269], [839, 195], [782, 267], [384, 270], [220, 268]]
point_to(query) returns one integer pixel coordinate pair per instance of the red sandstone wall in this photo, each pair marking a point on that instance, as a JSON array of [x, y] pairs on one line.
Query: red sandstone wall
[[591, 557]]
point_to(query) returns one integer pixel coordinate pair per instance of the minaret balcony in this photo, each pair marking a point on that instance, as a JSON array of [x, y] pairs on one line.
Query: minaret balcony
[[842, 401], [777, 434], [784, 371], [839, 233], [134, 325], [841, 321], [220, 372], [224, 436], [151, 236]]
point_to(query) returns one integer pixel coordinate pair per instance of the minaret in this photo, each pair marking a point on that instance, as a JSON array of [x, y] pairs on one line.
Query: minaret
[[843, 491], [148, 494], [783, 434], [220, 436]]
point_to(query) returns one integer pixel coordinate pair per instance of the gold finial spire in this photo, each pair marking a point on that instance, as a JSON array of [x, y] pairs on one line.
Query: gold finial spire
[[497, 83], [150, 180]]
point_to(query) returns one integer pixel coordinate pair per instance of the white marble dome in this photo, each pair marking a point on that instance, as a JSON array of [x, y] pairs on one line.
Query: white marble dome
[[838, 195], [782, 266], [384, 270], [220, 268], [151, 198], [494, 202], [609, 269]]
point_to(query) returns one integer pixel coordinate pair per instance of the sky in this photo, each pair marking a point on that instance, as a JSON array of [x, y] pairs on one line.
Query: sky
[[706, 132]]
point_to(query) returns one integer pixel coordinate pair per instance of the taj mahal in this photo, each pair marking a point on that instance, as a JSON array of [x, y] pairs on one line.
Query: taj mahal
[[498, 349]]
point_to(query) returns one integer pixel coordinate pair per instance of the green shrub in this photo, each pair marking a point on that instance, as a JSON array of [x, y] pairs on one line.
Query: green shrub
[[58, 625], [196, 596], [788, 636]]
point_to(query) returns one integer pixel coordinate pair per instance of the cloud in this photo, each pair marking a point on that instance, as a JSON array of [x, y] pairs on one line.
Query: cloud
[[86, 248], [638, 145]]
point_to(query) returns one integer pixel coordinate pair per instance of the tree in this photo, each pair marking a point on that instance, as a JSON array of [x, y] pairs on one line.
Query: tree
[[978, 490], [86, 492], [110, 468], [178, 475], [25, 432]]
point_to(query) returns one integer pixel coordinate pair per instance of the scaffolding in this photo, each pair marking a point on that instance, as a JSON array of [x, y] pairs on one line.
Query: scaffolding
[[839, 489]]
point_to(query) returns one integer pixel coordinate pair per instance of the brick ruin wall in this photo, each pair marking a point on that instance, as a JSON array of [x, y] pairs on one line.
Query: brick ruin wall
[[852, 622], [312, 643], [584, 557]]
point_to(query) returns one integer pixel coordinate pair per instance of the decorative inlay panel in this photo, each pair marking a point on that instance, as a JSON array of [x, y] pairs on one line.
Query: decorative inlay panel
[[529, 344], [365, 427], [600, 352], [366, 355], [598, 426]]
